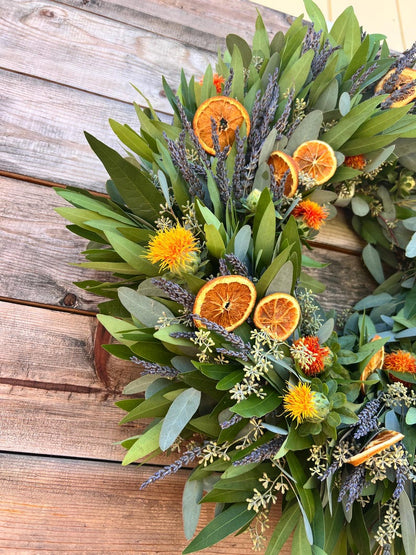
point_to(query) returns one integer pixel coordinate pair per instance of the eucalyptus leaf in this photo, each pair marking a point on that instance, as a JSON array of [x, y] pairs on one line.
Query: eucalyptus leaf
[[191, 507], [407, 522], [179, 414], [372, 260], [360, 206], [146, 310], [283, 280], [325, 331]]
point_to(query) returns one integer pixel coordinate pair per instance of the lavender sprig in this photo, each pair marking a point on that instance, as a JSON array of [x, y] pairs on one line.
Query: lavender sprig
[[237, 265], [231, 353], [352, 487], [239, 163], [312, 40], [401, 479], [177, 150], [367, 419], [224, 271], [265, 451], [187, 458], [221, 177], [320, 59], [281, 123], [229, 336], [154, 368], [176, 293], [233, 420], [398, 94], [228, 84], [358, 80]]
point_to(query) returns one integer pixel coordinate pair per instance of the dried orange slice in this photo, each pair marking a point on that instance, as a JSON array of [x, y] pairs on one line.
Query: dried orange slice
[[405, 77], [225, 300], [282, 163], [317, 160], [278, 314], [384, 439], [376, 361], [227, 113]]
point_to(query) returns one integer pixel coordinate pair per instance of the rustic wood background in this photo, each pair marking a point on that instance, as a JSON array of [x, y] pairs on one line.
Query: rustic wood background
[[66, 66]]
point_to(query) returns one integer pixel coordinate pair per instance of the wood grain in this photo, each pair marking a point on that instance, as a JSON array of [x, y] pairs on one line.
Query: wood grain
[[202, 23], [96, 54], [43, 128], [36, 252], [51, 505]]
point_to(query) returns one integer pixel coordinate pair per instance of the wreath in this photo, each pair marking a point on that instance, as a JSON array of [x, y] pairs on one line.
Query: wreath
[[204, 232]]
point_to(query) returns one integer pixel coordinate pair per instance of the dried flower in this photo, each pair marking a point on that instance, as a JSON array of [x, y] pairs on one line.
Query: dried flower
[[357, 162], [400, 361], [309, 354], [299, 402], [175, 249], [311, 213], [217, 80]]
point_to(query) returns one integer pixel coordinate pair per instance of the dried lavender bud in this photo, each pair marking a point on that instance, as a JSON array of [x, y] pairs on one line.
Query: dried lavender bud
[[230, 353], [321, 57], [224, 271], [176, 293], [238, 267], [178, 153], [239, 163], [187, 458], [352, 486], [228, 84], [154, 368], [407, 59], [231, 337], [189, 129], [183, 334], [312, 40], [266, 451], [221, 177], [398, 94], [401, 479], [233, 420], [332, 468], [358, 80], [367, 419], [281, 123]]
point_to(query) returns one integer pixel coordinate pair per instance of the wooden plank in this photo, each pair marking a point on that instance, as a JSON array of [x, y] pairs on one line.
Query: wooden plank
[[51, 505], [37, 250], [43, 131], [202, 23], [55, 350], [95, 53]]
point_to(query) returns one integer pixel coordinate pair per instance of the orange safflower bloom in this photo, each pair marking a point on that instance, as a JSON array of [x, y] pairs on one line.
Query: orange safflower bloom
[[400, 361], [299, 402], [309, 354], [218, 81], [357, 162], [311, 213], [175, 249]]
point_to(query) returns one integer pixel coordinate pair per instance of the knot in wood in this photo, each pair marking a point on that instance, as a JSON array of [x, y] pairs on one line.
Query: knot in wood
[[70, 300]]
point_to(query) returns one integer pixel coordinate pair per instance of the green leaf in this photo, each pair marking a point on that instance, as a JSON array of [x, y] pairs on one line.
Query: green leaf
[[132, 140], [139, 385], [214, 241], [147, 311], [300, 543], [359, 531], [359, 206], [315, 15], [85, 200], [333, 527], [346, 31], [132, 253], [179, 414], [229, 381], [294, 77], [344, 129], [245, 51], [254, 406], [381, 121], [116, 327], [283, 529], [264, 229], [191, 508], [271, 272], [230, 520], [307, 130], [146, 444], [372, 261], [407, 522], [134, 186], [283, 280], [261, 39]]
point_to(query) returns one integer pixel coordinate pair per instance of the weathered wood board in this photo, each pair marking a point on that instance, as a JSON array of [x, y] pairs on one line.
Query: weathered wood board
[[66, 67], [50, 505]]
